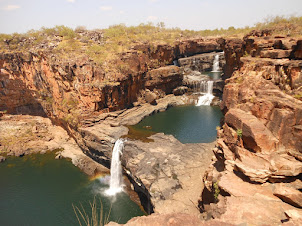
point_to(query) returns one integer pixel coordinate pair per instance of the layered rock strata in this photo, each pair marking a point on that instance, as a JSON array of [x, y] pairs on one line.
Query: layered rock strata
[[23, 134], [42, 84], [256, 175]]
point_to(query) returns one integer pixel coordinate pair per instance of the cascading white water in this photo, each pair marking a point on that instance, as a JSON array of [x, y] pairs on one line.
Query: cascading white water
[[116, 179], [208, 97], [215, 67]]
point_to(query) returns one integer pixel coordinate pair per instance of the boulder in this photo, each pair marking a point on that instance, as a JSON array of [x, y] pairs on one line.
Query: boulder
[[180, 90], [288, 194], [255, 135], [150, 97], [283, 165], [297, 52]]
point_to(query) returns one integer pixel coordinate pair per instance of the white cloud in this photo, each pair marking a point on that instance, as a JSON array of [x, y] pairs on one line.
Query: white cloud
[[72, 1], [153, 1], [152, 18], [106, 8], [11, 7]]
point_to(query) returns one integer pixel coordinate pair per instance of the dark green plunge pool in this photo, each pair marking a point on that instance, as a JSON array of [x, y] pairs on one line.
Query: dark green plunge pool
[[39, 190], [189, 124]]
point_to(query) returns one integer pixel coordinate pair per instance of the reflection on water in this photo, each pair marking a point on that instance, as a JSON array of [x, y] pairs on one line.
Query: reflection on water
[[189, 124], [39, 190]]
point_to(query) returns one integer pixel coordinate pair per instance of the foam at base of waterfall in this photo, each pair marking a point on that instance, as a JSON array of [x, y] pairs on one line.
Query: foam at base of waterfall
[[113, 191], [205, 99]]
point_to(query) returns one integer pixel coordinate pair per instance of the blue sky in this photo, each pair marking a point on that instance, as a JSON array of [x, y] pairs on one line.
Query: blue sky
[[23, 15]]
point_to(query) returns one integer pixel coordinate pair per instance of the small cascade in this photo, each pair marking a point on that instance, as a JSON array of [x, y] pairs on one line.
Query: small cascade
[[200, 86], [216, 63], [116, 179], [208, 97]]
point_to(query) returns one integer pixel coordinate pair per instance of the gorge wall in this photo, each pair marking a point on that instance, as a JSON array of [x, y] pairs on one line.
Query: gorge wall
[[255, 177], [41, 82]]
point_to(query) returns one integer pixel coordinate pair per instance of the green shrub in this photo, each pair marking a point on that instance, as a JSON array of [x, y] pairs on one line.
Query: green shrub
[[216, 191], [239, 133]]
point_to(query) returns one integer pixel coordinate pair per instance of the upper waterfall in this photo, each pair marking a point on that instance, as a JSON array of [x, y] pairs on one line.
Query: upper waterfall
[[216, 63]]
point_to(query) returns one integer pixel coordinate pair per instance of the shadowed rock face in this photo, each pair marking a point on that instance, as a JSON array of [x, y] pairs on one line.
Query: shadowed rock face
[[202, 62], [256, 173], [40, 82], [164, 78]]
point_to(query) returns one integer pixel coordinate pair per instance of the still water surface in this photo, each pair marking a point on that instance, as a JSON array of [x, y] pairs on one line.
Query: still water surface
[[39, 190], [189, 124]]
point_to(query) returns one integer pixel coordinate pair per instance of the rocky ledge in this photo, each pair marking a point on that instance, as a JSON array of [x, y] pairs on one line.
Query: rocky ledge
[[164, 172], [23, 134], [175, 219], [255, 177]]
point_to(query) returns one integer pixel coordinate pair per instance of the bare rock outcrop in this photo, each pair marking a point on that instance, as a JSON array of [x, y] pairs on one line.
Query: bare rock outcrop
[[201, 62], [255, 177], [164, 78], [169, 170], [178, 219], [23, 135]]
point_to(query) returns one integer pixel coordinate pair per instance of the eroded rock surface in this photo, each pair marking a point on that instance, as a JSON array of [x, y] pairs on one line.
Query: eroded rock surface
[[255, 177], [170, 170], [22, 135], [179, 219]]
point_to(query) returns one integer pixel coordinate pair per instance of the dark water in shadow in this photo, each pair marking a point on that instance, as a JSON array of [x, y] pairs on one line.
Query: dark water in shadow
[[189, 124], [39, 190]]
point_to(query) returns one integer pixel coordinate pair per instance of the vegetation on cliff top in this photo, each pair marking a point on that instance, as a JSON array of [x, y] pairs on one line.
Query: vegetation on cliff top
[[104, 45]]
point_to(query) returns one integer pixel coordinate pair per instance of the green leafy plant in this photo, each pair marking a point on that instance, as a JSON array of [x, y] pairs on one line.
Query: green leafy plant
[[239, 133], [216, 190]]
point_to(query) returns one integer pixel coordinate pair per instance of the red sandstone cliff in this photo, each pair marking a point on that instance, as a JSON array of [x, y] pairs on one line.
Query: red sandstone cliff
[[42, 84], [255, 177]]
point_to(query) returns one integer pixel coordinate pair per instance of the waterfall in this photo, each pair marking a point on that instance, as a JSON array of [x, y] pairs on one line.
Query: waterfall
[[202, 86], [116, 179], [208, 97], [216, 64]]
